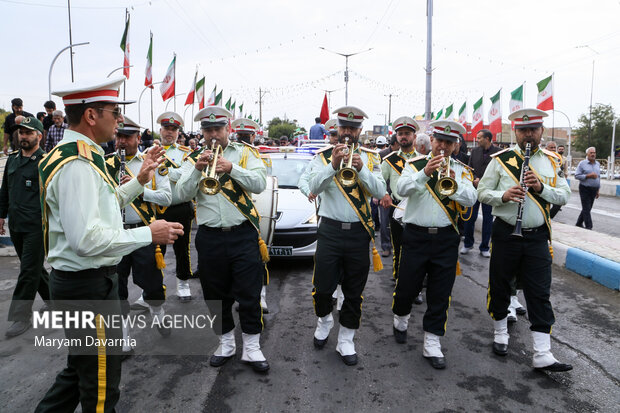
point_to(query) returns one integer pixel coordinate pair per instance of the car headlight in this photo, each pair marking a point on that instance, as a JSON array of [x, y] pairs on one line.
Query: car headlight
[[312, 220]]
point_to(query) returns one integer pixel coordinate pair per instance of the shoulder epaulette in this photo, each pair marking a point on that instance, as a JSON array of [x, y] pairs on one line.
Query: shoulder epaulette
[[551, 153], [497, 153], [389, 154], [12, 153], [462, 164], [248, 144], [325, 148], [184, 148], [369, 150], [417, 158], [84, 150], [110, 155]]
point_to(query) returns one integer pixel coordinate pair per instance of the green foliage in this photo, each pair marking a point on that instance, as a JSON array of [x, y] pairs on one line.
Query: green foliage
[[3, 115], [602, 125], [278, 127]]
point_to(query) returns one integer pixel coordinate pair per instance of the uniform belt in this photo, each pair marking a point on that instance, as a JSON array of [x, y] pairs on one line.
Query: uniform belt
[[131, 226], [89, 273], [535, 230], [226, 229], [342, 225], [430, 230]]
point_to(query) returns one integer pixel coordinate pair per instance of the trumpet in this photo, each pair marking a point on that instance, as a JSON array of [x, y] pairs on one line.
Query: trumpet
[[347, 175], [209, 184], [446, 185]]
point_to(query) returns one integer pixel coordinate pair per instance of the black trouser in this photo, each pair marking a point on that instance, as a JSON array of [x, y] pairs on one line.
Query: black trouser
[[90, 380], [528, 257], [396, 234], [554, 210], [265, 275], [32, 276], [341, 255], [587, 195], [434, 255], [143, 268], [183, 214], [230, 269]]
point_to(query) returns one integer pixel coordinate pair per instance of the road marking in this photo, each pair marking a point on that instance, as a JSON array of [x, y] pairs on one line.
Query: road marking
[[594, 211]]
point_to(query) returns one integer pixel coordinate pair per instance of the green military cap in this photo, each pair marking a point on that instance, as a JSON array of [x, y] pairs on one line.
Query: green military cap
[[29, 122]]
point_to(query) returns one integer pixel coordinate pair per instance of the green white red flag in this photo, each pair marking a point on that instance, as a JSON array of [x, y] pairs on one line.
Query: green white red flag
[[200, 93], [439, 115], [190, 95], [545, 94], [449, 111], [495, 113], [218, 98], [167, 87], [477, 118], [125, 48], [211, 100], [463, 114], [516, 99], [148, 73]]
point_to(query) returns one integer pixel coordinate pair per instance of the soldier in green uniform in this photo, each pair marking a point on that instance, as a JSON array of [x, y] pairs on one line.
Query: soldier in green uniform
[[231, 254], [528, 254], [19, 200], [85, 240], [345, 231], [431, 238]]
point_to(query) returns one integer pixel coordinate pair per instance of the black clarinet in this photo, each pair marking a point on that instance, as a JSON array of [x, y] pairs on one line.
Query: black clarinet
[[121, 174], [524, 168]]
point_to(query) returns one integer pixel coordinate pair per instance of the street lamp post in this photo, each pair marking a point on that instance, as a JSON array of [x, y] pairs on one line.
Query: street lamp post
[[570, 129], [329, 94], [346, 69], [591, 90], [169, 100], [49, 76], [117, 69], [140, 98], [612, 158]]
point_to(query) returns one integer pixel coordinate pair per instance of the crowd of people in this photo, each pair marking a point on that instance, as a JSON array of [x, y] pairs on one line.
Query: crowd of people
[[420, 191]]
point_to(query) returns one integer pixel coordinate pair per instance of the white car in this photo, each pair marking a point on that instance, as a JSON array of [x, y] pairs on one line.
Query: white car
[[296, 220]]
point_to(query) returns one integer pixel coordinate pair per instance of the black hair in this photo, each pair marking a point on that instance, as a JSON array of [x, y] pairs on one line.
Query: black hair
[[317, 120], [75, 112], [487, 134], [49, 105], [17, 102], [393, 139], [41, 115]]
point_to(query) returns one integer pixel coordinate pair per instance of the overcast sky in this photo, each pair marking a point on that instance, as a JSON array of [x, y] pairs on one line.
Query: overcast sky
[[479, 46]]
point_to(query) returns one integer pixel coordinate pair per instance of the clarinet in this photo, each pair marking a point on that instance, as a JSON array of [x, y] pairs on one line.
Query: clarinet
[[524, 168], [121, 174]]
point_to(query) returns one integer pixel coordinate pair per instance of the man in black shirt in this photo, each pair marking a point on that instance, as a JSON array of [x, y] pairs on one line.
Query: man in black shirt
[[10, 128]]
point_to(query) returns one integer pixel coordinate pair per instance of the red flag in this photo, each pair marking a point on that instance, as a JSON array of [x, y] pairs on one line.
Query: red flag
[[324, 111], [190, 95]]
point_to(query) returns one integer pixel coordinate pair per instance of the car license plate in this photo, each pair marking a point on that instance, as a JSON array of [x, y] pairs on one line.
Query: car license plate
[[281, 251]]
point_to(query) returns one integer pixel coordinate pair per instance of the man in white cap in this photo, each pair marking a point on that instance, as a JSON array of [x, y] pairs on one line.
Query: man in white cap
[[332, 128], [181, 211], [345, 220], [85, 239], [528, 254], [391, 169], [431, 237], [145, 268], [231, 254]]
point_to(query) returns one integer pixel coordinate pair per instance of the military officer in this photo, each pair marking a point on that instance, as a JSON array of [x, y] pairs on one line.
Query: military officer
[[345, 230], [332, 128], [181, 211], [431, 238], [391, 169], [142, 263], [19, 200], [85, 239], [529, 253], [231, 254]]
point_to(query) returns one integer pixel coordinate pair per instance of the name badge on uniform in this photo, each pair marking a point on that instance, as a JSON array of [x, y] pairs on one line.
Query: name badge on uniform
[[28, 183]]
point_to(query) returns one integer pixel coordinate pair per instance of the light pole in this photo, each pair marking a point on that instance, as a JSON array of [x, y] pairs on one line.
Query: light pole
[[117, 69], [570, 129], [591, 90], [346, 69], [329, 94], [429, 58], [49, 76], [169, 100], [612, 158], [140, 98]]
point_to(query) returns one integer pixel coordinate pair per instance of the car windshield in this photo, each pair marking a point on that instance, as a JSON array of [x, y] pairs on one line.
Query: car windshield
[[287, 171]]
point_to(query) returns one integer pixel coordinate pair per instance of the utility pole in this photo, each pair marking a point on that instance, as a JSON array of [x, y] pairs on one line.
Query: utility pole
[[390, 106], [70, 40], [429, 57], [346, 69], [261, 95]]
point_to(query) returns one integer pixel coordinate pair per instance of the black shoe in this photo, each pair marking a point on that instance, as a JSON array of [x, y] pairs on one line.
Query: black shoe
[[350, 360], [521, 310], [438, 363], [218, 361], [265, 310], [556, 367], [512, 319], [500, 349], [185, 298], [419, 299], [319, 344], [139, 307], [258, 366], [164, 331], [17, 328], [400, 336], [126, 354]]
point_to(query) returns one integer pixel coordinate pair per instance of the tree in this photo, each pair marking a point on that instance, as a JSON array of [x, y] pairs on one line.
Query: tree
[[602, 125], [278, 127]]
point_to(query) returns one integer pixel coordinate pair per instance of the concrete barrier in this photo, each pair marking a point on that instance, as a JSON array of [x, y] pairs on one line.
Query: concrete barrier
[[608, 188]]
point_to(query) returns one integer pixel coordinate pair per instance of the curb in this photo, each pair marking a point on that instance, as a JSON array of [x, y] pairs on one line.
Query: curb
[[608, 188]]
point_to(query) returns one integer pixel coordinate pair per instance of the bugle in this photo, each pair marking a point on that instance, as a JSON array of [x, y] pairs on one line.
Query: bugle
[[446, 185], [210, 184], [347, 175]]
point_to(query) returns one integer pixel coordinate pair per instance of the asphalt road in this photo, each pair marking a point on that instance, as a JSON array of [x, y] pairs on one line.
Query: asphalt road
[[389, 376], [605, 213]]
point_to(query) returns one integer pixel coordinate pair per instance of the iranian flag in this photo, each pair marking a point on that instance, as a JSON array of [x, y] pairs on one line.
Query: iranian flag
[[232, 108], [167, 85], [241, 110], [495, 113], [218, 98], [148, 73], [477, 118], [228, 104], [324, 110], [125, 48], [545, 94], [190, 95], [449, 111], [200, 93], [516, 99], [439, 114], [463, 114], [211, 100]]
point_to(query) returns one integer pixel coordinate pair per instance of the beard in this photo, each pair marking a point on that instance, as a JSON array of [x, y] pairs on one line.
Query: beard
[[26, 144]]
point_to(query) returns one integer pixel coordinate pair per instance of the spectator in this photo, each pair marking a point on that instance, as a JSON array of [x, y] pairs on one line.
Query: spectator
[[147, 138], [156, 142], [551, 146], [460, 151], [588, 173], [564, 165], [193, 143], [317, 131], [283, 141], [181, 140], [50, 107], [382, 147], [422, 144], [10, 127], [478, 161], [40, 116], [56, 131], [394, 145]]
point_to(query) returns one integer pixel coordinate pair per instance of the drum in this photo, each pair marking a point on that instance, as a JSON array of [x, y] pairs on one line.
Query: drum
[[399, 211], [267, 204]]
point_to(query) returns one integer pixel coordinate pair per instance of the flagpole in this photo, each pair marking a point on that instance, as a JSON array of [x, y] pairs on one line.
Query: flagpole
[[152, 124], [174, 76], [553, 114]]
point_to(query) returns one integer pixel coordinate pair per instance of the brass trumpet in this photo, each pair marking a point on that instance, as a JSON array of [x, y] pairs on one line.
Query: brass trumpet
[[446, 185], [347, 175], [210, 185]]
